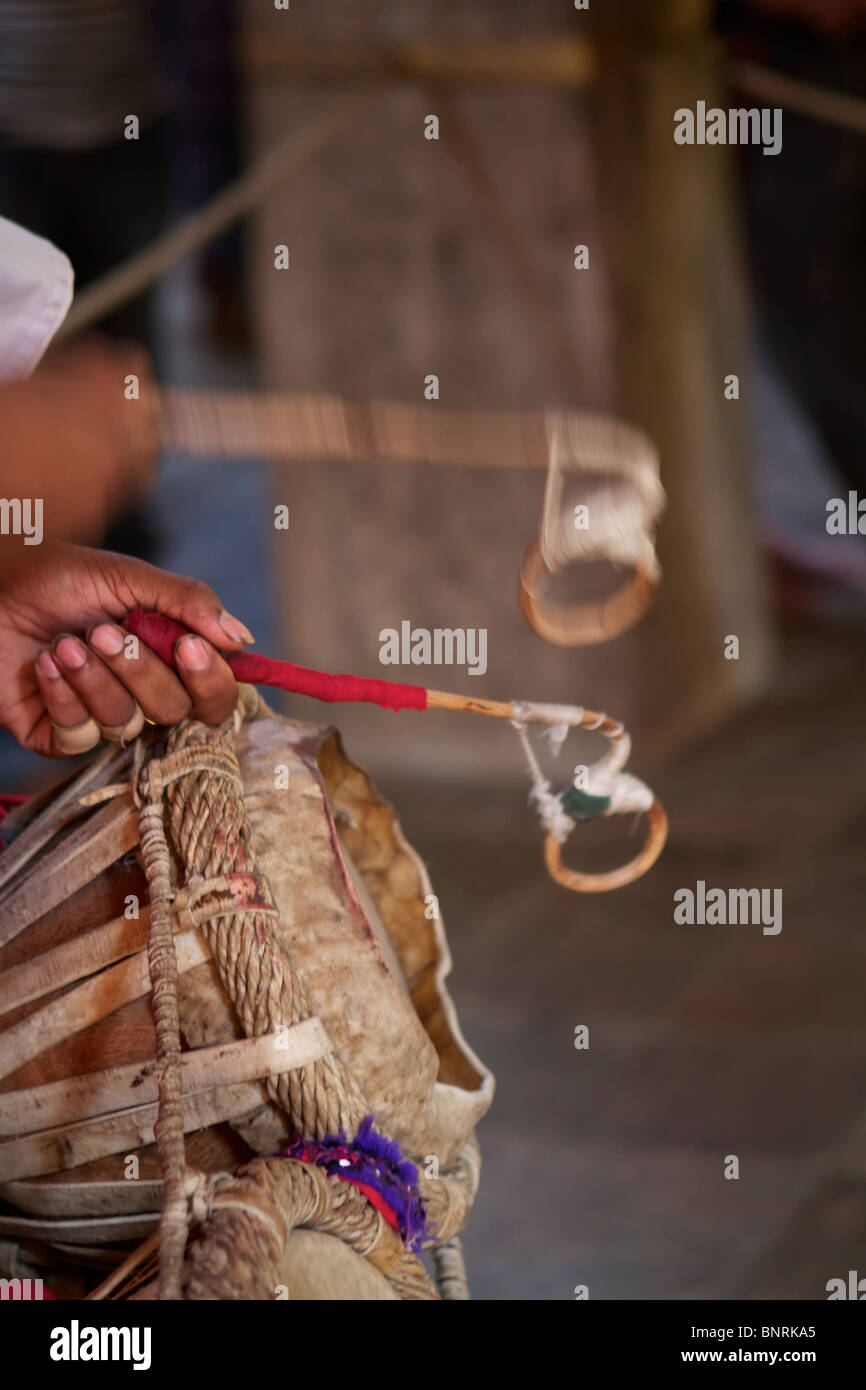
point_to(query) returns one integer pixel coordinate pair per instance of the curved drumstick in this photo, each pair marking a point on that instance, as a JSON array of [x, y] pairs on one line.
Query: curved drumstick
[[612, 791]]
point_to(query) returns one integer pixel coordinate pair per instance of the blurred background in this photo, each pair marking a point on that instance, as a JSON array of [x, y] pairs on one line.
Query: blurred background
[[408, 257]]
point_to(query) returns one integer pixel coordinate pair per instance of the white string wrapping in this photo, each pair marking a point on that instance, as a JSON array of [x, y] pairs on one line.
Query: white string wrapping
[[605, 778], [622, 510]]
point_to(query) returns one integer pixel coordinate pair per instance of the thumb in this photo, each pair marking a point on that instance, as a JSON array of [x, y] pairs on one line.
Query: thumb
[[145, 590]]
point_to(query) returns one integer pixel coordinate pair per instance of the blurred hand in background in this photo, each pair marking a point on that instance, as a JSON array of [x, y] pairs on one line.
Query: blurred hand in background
[[70, 437]]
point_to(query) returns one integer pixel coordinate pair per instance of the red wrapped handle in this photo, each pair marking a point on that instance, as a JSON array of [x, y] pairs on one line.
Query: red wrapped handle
[[161, 634]]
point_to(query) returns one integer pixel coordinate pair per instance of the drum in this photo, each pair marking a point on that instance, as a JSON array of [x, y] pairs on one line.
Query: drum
[[230, 1067]]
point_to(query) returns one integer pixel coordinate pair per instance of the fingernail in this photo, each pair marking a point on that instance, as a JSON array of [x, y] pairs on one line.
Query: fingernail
[[235, 630], [107, 639], [70, 652], [48, 666], [193, 654]]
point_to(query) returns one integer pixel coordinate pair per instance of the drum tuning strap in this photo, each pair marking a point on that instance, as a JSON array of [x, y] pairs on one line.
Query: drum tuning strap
[[206, 898], [107, 793]]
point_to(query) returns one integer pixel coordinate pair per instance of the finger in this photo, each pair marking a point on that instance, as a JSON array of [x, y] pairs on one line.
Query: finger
[[201, 611], [208, 679], [73, 731], [79, 739], [187, 601], [157, 689], [60, 700], [124, 733], [102, 694]]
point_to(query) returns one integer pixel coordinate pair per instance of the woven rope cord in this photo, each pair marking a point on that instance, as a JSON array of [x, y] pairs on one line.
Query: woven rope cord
[[162, 966], [211, 837], [244, 1220], [241, 1249]]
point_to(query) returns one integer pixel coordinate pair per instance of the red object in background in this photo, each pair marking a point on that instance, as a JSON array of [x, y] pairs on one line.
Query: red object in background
[[837, 19], [8, 803], [161, 633]]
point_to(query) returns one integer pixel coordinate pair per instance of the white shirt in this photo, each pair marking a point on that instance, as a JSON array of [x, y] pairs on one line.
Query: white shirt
[[35, 293]]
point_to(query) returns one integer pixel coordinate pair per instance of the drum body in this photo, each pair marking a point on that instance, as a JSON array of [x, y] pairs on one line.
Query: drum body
[[311, 961]]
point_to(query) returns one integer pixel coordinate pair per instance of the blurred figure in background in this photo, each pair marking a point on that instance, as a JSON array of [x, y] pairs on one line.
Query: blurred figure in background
[[199, 42], [71, 72], [76, 170], [74, 448], [806, 224]]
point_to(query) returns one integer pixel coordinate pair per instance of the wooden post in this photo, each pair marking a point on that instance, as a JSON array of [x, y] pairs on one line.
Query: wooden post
[[678, 301]]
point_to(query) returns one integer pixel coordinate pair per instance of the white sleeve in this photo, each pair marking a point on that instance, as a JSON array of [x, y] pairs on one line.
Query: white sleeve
[[35, 293]]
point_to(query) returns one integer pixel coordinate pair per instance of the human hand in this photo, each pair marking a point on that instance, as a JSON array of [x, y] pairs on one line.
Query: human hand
[[68, 670], [72, 438]]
